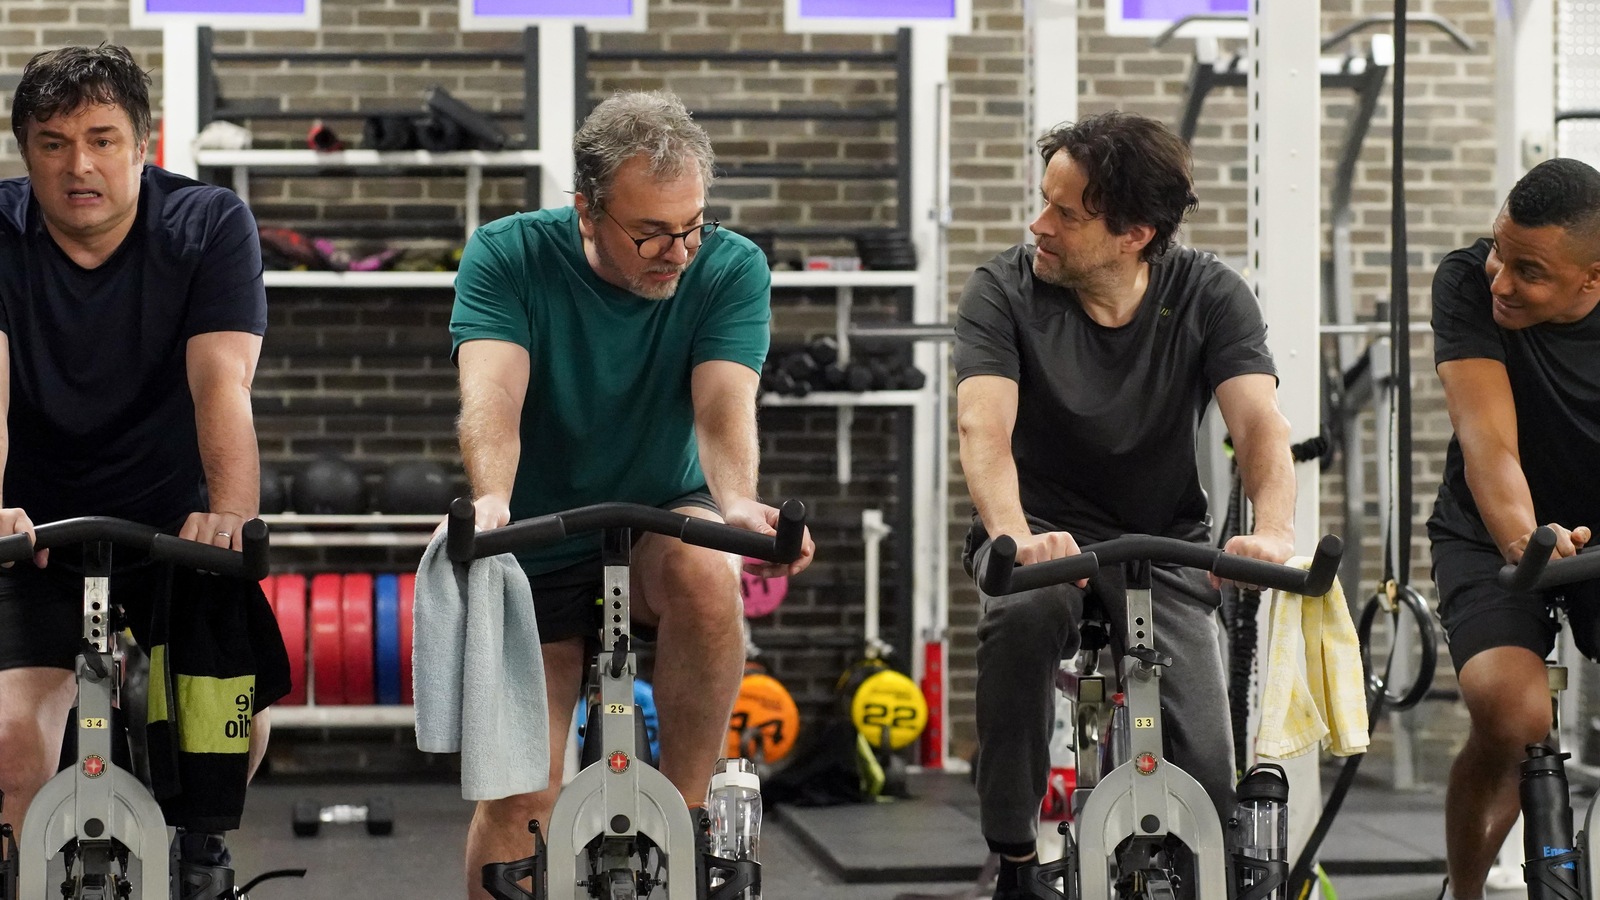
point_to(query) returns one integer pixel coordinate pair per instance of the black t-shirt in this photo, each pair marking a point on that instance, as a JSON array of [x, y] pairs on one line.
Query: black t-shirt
[[1554, 370], [1107, 417], [101, 419]]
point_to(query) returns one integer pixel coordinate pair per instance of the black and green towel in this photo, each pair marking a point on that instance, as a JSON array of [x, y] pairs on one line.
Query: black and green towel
[[216, 659]]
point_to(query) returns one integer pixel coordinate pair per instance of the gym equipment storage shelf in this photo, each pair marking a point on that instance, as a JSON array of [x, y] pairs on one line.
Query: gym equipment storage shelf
[[378, 280], [369, 530], [312, 716], [474, 162]]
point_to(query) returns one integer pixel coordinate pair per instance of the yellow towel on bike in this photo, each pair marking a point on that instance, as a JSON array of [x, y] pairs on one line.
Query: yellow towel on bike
[[216, 659], [478, 674], [1313, 692]]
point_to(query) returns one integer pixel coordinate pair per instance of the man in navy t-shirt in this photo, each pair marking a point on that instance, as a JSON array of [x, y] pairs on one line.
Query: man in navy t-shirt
[[1517, 347], [131, 315]]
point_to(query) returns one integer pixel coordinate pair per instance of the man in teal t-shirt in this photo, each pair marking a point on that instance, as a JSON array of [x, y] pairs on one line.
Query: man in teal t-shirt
[[611, 352]]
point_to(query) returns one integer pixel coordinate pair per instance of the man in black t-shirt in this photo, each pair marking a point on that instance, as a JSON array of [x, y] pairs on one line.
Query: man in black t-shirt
[[1085, 362], [131, 315], [1517, 346]]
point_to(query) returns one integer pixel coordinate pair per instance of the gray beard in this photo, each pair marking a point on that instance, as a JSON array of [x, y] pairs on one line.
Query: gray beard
[[637, 285]]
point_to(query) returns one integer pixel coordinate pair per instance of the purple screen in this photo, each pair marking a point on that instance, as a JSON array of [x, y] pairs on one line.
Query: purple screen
[[228, 7], [1170, 10], [535, 8], [878, 9]]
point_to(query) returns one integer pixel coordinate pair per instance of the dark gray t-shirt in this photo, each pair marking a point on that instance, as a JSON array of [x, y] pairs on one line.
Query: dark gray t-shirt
[[1554, 371], [1106, 417]]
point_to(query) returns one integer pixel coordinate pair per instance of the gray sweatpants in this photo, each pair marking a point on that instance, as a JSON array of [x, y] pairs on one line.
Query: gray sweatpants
[[1021, 641]]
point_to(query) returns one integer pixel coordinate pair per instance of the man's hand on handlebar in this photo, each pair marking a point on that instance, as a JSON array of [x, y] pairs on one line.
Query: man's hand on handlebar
[[753, 515], [1269, 546], [219, 529], [1568, 543], [488, 511], [1038, 548], [491, 511], [14, 521]]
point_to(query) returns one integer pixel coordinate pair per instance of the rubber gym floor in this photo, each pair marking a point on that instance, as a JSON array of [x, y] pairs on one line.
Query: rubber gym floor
[[1383, 846]]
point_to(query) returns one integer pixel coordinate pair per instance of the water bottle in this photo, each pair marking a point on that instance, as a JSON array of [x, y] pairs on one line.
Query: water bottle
[[1547, 825], [1261, 834], [734, 803]]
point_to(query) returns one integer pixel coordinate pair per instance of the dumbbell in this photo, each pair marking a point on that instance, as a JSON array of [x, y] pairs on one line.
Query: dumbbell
[[855, 377], [377, 814]]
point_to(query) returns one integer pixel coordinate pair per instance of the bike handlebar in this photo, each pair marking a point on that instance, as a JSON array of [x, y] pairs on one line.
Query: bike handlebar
[[1000, 574], [1536, 571], [251, 562], [463, 543]]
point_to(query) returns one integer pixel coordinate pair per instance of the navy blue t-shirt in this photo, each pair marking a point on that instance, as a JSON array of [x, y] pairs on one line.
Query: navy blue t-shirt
[[101, 419]]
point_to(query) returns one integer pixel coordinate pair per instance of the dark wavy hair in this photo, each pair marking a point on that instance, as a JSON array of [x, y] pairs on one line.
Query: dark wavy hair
[[1137, 172], [1562, 192], [66, 80]]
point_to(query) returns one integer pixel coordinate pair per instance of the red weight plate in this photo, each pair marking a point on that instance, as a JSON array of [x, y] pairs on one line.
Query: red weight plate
[[408, 590], [289, 606], [327, 644], [359, 681], [269, 587]]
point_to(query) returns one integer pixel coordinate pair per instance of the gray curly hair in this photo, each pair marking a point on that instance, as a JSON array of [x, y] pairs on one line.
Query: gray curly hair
[[629, 123]]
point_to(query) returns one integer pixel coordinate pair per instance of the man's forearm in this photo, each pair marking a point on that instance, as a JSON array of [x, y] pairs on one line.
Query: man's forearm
[[489, 431], [228, 450], [1500, 490], [730, 453], [991, 474], [1266, 471]]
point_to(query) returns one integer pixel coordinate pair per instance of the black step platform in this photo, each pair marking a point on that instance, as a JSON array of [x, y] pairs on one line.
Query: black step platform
[[933, 836]]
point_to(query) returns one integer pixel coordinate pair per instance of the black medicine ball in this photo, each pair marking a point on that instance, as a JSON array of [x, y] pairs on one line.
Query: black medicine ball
[[274, 499], [329, 486], [418, 488]]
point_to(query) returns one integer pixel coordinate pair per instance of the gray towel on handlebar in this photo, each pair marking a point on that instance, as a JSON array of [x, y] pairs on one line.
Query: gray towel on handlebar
[[478, 673]]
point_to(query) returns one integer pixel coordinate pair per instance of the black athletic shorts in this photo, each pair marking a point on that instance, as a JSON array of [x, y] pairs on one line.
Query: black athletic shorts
[[1479, 615], [566, 602], [41, 610]]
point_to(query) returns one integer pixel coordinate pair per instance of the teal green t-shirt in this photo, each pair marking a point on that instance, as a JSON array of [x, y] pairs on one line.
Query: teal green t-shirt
[[608, 414]]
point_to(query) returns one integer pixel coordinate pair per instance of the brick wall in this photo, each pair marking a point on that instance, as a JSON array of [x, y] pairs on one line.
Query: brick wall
[[1449, 170]]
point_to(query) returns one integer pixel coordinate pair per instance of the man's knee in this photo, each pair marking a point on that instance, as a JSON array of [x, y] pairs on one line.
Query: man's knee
[[25, 755], [1031, 623], [519, 809], [1508, 717], [697, 583]]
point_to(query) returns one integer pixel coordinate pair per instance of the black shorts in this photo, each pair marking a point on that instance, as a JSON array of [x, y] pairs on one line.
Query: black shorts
[[41, 610], [566, 602], [1479, 615]]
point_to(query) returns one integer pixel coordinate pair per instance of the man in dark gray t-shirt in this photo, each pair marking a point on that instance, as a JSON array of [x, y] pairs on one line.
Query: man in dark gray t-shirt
[[1084, 365]]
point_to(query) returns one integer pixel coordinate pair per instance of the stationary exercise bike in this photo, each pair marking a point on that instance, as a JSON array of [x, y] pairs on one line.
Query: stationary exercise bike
[[620, 830], [96, 817], [1126, 817], [1568, 875]]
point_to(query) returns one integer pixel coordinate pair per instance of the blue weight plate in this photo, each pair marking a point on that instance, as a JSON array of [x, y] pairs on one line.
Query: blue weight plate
[[386, 629]]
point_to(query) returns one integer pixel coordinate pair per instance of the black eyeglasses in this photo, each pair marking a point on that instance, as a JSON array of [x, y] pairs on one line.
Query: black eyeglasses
[[657, 244]]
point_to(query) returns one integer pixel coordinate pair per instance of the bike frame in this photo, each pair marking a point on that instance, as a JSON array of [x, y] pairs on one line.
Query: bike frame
[[621, 797], [96, 803], [1146, 796], [102, 807], [600, 817]]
